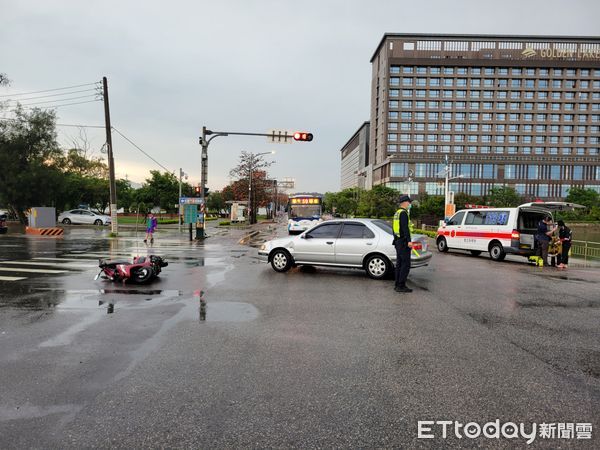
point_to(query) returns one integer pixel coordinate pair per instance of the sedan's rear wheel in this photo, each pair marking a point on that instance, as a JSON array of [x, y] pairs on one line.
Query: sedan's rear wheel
[[97, 222], [377, 267], [281, 261], [66, 221]]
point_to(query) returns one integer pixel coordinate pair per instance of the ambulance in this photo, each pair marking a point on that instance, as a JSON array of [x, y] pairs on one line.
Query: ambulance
[[499, 231]]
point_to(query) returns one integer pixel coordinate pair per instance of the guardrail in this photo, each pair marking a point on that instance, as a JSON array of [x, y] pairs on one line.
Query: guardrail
[[585, 249]]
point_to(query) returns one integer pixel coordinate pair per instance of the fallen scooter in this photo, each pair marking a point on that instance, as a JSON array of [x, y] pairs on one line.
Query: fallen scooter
[[143, 269]]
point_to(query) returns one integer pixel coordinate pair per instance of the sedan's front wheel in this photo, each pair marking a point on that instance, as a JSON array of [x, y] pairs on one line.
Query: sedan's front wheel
[[377, 267], [66, 221], [98, 222], [281, 261]]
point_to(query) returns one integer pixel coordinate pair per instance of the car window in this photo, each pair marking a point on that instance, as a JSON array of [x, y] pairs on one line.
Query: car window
[[456, 218], [356, 231], [487, 218], [384, 226], [325, 231], [75, 211], [87, 213]]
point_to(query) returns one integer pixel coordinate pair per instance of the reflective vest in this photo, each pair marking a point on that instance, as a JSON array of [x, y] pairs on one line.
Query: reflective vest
[[396, 223]]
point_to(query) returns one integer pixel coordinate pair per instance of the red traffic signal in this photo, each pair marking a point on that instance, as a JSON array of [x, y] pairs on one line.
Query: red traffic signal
[[197, 191], [303, 136]]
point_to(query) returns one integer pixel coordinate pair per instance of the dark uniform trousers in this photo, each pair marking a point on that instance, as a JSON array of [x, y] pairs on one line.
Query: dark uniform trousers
[[402, 262]]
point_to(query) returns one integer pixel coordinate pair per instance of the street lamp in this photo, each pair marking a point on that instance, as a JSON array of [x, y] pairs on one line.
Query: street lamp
[[447, 170], [250, 170], [181, 174]]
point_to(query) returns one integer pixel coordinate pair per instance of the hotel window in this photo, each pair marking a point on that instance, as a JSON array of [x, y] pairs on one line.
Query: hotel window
[[553, 140], [434, 70], [486, 116], [487, 105], [526, 150], [540, 139], [405, 148], [448, 70], [458, 149], [542, 95], [474, 105], [595, 95], [461, 71], [539, 150], [528, 117], [489, 171], [544, 72], [568, 140], [473, 116], [540, 128], [446, 127], [488, 71], [419, 137], [488, 82], [459, 138], [405, 137], [502, 83], [513, 128], [540, 117], [406, 92], [529, 83], [393, 104], [555, 117], [511, 150], [595, 118], [406, 104], [580, 151], [595, 151], [434, 82], [486, 138], [445, 149], [459, 127], [476, 70], [577, 173], [434, 94], [461, 94], [499, 139], [570, 72], [419, 127], [569, 84], [475, 82], [556, 128], [501, 105], [407, 70], [472, 149], [532, 171], [421, 82], [584, 84], [580, 129], [528, 128], [500, 116], [399, 169], [461, 116], [447, 116], [502, 94], [527, 139], [500, 128], [594, 140], [393, 126], [512, 139], [593, 129], [515, 83], [394, 81], [407, 81], [488, 94], [557, 83], [394, 69], [569, 106], [461, 82], [486, 127], [502, 71], [529, 95], [431, 148], [543, 83], [553, 150], [392, 148], [566, 151], [515, 94], [528, 106], [475, 94], [581, 139], [514, 105], [530, 72], [392, 137], [394, 92], [461, 105], [419, 116], [421, 70], [432, 116], [556, 95], [418, 148], [420, 104], [514, 116], [475, 188], [595, 106], [596, 84], [447, 94], [472, 138], [432, 127], [555, 106], [584, 107], [542, 106], [394, 115], [542, 190]]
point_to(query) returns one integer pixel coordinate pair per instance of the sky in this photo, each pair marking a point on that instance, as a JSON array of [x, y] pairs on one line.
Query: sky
[[235, 65]]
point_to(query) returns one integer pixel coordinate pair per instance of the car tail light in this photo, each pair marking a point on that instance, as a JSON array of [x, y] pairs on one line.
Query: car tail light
[[515, 235], [417, 246]]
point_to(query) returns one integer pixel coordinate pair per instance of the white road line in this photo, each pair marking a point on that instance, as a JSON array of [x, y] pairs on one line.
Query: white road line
[[12, 278], [22, 269], [66, 265]]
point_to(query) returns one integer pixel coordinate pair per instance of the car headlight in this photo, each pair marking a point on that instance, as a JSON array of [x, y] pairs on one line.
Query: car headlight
[[263, 247]]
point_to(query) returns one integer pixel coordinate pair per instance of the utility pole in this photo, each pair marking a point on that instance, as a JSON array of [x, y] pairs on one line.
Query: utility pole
[[181, 174], [203, 175], [111, 161]]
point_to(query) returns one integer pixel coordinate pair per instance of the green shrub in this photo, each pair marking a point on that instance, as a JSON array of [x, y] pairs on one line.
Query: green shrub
[[224, 223], [431, 234]]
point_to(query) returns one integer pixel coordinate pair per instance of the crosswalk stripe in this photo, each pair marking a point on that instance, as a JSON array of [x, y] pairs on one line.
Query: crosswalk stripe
[[22, 269], [66, 265], [12, 278]]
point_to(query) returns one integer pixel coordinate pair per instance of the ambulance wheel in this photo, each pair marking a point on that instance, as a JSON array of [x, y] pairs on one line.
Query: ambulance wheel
[[475, 252], [497, 252], [442, 245]]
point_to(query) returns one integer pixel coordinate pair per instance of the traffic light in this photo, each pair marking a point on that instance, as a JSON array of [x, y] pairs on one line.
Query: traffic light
[[206, 192], [197, 191], [303, 136]]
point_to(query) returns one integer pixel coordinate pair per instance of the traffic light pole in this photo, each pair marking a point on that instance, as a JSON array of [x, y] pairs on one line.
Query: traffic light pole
[[204, 142]]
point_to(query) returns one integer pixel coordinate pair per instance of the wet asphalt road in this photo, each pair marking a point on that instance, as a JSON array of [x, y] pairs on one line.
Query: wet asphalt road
[[311, 358]]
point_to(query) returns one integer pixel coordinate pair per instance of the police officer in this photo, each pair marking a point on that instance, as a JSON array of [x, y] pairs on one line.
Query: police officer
[[403, 244]]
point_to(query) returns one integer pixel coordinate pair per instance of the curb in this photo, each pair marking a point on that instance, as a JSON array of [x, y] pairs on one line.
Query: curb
[[248, 236]]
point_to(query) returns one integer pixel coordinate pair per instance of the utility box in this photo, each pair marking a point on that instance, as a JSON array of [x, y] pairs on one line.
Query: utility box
[[42, 217]]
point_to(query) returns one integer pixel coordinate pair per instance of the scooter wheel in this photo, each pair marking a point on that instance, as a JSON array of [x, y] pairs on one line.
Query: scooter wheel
[[142, 275]]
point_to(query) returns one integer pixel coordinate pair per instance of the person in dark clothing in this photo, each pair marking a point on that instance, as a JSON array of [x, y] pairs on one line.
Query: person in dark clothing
[[403, 244], [543, 238], [565, 235]]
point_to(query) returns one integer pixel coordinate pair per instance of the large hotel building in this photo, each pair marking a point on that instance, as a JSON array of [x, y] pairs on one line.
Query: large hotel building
[[522, 111]]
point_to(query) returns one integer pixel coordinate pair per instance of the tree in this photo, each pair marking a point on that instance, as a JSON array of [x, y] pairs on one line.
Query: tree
[[159, 190], [250, 167], [215, 202], [504, 197], [30, 161], [581, 196]]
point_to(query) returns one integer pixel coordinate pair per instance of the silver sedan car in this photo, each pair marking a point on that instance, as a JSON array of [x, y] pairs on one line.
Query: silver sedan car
[[355, 243], [83, 216]]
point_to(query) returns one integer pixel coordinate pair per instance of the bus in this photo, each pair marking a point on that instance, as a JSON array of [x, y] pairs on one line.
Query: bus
[[304, 211]]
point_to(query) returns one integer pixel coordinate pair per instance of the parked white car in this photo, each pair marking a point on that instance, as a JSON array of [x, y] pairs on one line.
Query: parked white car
[[354, 243], [83, 216]]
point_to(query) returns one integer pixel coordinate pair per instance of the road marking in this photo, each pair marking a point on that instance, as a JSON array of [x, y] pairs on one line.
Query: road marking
[[66, 265], [12, 278], [21, 269]]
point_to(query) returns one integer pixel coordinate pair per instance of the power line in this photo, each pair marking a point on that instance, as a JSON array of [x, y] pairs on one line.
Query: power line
[[57, 124], [59, 100], [136, 146], [50, 90], [50, 95], [57, 106]]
